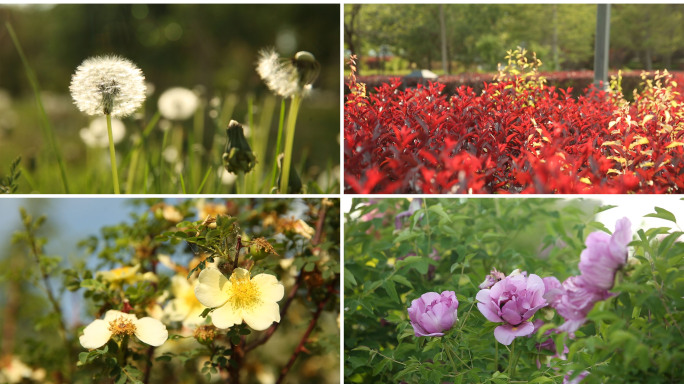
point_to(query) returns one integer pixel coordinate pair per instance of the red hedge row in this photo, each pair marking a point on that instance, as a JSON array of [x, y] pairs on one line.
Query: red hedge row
[[577, 80], [513, 138]]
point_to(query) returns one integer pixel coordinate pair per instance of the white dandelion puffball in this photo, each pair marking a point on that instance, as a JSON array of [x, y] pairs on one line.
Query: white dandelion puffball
[[178, 103], [116, 323], [226, 177], [95, 136], [108, 85], [282, 76]]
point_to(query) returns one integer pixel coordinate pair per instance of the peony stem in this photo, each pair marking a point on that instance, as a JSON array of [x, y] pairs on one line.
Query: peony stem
[[289, 142], [112, 155], [512, 360]]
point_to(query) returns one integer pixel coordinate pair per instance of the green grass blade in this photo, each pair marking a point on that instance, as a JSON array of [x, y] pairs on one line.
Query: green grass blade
[[47, 127], [204, 180]]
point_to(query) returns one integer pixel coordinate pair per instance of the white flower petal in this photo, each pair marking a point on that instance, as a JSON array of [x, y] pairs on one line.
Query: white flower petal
[[262, 316], [211, 290], [96, 334], [113, 314], [151, 331], [269, 287], [226, 316]]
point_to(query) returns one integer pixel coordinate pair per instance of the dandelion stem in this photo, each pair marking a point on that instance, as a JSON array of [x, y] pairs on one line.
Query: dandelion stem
[[240, 183], [112, 155], [289, 142], [278, 142]]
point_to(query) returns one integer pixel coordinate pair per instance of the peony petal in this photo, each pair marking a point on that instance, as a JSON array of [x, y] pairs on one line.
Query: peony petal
[[262, 316], [510, 313], [226, 316], [505, 334], [483, 296], [418, 330], [212, 287], [429, 297], [96, 334], [151, 331], [269, 287], [488, 313], [535, 284]]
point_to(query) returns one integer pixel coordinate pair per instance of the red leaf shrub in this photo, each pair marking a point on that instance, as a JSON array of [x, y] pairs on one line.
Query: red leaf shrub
[[515, 136], [577, 80]]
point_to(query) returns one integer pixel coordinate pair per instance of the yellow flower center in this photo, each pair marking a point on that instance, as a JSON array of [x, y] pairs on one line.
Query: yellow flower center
[[243, 293], [122, 326]]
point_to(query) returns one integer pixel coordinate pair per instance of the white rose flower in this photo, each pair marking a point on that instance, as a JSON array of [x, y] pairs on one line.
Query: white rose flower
[[116, 323], [253, 300]]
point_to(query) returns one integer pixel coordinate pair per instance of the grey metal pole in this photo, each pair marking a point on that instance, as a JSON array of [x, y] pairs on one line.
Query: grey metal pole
[[602, 45], [442, 30]]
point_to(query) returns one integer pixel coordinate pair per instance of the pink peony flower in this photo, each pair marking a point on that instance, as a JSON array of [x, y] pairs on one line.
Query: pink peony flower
[[512, 301], [604, 255], [491, 279], [433, 313], [573, 300], [578, 379], [599, 262]]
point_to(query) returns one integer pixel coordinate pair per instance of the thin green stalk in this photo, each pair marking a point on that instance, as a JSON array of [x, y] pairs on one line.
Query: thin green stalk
[[512, 360], [161, 161], [496, 356], [112, 155], [182, 183], [240, 183], [251, 176], [135, 157], [260, 142], [47, 127], [130, 180], [289, 142], [278, 142], [204, 180]]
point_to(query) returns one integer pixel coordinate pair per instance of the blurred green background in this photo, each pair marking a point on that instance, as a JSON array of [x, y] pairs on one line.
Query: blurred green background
[[210, 48]]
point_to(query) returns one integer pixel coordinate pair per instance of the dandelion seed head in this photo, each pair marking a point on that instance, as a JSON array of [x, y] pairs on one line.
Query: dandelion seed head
[[287, 77], [108, 85], [95, 135], [177, 103]]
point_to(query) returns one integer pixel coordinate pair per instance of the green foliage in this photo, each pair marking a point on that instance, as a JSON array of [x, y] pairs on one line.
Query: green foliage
[[8, 184], [130, 267], [643, 36], [632, 336]]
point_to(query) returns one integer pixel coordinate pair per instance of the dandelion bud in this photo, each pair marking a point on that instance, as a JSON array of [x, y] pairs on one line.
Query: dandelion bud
[[238, 156], [108, 85]]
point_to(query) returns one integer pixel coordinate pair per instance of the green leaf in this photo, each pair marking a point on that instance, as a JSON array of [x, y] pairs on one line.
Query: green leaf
[[349, 279], [419, 263], [391, 290], [401, 280], [663, 214], [541, 379], [439, 210], [405, 236]]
